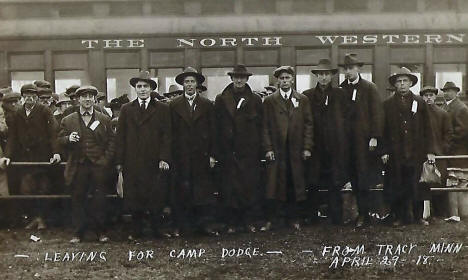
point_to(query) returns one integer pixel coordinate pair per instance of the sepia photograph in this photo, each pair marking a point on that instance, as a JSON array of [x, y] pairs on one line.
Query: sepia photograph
[[233, 139]]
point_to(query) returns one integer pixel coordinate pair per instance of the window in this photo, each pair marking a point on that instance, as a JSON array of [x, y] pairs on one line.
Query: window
[[305, 79], [216, 80], [416, 69], [65, 79], [450, 72], [18, 79], [118, 83], [262, 77], [166, 78]]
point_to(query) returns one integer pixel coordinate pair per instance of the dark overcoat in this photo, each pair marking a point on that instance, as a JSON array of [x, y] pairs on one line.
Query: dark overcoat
[[239, 143], [143, 139], [363, 121], [103, 136], [286, 130], [420, 138], [329, 137], [193, 143], [458, 113]]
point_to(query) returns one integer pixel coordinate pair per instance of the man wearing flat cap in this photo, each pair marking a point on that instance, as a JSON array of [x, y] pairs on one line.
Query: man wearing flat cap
[[88, 140], [71, 93], [364, 123], [407, 144], [32, 137], [239, 116], [143, 153], [193, 134], [458, 113], [328, 168], [442, 135], [287, 145]]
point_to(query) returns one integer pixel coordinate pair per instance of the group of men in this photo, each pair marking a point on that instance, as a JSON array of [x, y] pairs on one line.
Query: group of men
[[196, 155]]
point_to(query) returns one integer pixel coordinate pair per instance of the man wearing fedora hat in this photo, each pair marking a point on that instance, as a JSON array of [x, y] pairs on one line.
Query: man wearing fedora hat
[[407, 144], [88, 139], [328, 168], [287, 144], [239, 119], [442, 136], [193, 133], [364, 125], [32, 137], [143, 153], [458, 113]]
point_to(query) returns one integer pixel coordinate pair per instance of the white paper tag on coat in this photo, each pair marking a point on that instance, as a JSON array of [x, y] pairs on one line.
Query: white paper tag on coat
[[295, 102], [326, 101], [414, 108], [354, 95], [94, 125], [194, 107], [240, 102]]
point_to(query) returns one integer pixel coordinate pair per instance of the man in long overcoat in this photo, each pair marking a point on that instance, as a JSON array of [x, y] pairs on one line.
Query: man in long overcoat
[[442, 136], [407, 143], [328, 168], [364, 123], [32, 137], [287, 143], [143, 152], [193, 144], [239, 115]]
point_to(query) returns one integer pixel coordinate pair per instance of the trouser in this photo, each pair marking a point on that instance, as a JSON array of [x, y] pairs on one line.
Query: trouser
[[335, 204], [405, 205], [89, 179], [36, 182], [192, 216]]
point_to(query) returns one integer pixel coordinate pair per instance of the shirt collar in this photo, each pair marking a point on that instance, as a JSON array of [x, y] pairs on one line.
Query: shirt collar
[[285, 94], [190, 97], [147, 100], [450, 101], [90, 111], [355, 81]]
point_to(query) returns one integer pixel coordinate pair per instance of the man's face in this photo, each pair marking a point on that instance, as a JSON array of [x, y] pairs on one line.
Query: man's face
[[65, 105], [29, 99], [190, 85], [143, 90], [286, 81], [429, 97], [324, 77], [45, 100], [239, 81], [351, 72], [102, 102], [450, 94], [86, 100], [403, 84]]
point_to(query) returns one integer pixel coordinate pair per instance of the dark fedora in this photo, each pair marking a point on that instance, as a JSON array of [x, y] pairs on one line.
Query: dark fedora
[[428, 89], [450, 85], [70, 91], [189, 71], [145, 77], [239, 70], [281, 69], [202, 88], [28, 88], [351, 59], [86, 89], [272, 88], [324, 65], [403, 71]]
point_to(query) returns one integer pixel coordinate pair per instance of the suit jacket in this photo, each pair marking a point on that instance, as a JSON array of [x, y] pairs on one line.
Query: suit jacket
[[286, 131], [458, 112], [103, 136], [33, 137], [239, 142], [193, 142], [144, 139]]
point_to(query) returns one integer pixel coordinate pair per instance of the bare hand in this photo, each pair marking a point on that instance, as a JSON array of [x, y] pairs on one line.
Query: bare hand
[[270, 156], [4, 162], [74, 137], [306, 154], [55, 159], [431, 158], [372, 144], [164, 166], [213, 162], [385, 159]]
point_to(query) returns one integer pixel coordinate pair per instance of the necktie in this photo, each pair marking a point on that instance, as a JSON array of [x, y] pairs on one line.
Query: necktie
[[143, 107]]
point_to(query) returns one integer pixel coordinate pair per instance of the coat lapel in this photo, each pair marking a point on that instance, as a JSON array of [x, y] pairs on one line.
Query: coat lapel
[[149, 112], [280, 101], [182, 108], [198, 108], [231, 105]]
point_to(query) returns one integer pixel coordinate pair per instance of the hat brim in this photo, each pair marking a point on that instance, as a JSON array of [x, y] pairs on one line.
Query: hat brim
[[435, 91], [276, 74], [202, 88], [180, 78], [134, 81], [245, 74], [360, 64], [413, 78], [332, 70], [447, 88]]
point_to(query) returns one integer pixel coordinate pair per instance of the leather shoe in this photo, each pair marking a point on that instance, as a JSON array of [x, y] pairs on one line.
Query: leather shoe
[[103, 238], [266, 227], [423, 222]]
